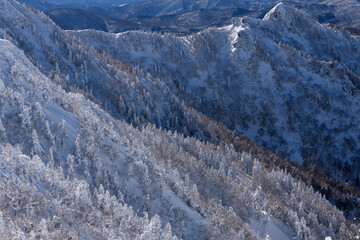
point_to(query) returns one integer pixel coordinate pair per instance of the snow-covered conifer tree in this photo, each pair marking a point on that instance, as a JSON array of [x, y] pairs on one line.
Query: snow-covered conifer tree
[[62, 133], [3, 136], [36, 146], [70, 163]]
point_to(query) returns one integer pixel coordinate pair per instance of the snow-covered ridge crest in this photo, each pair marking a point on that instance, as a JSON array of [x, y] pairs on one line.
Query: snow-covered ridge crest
[[280, 12]]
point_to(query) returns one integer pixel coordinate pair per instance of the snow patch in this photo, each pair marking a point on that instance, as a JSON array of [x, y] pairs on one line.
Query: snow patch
[[267, 225]]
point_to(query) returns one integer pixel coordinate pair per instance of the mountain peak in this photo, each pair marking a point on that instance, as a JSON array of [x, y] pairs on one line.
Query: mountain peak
[[281, 12]]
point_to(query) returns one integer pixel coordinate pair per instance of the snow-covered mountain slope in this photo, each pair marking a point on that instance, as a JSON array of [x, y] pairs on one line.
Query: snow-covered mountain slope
[[77, 171], [125, 90], [285, 81], [74, 136], [341, 13], [46, 123], [38, 202], [70, 168]]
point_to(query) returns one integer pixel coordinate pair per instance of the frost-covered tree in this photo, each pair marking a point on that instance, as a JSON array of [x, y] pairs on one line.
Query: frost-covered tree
[[302, 231], [247, 159], [36, 148], [2, 225], [48, 132], [51, 162], [70, 163], [154, 230], [2, 95], [37, 114], [25, 118], [62, 133], [3, 136]]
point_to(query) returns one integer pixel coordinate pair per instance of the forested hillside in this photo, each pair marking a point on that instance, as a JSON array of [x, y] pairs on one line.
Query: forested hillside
[[285, 81], [131, 140]]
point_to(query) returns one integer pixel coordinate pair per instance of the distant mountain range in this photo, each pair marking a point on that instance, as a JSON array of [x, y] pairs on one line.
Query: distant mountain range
[[174, 7], [46, 5], [183, 16], [185, 23]]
